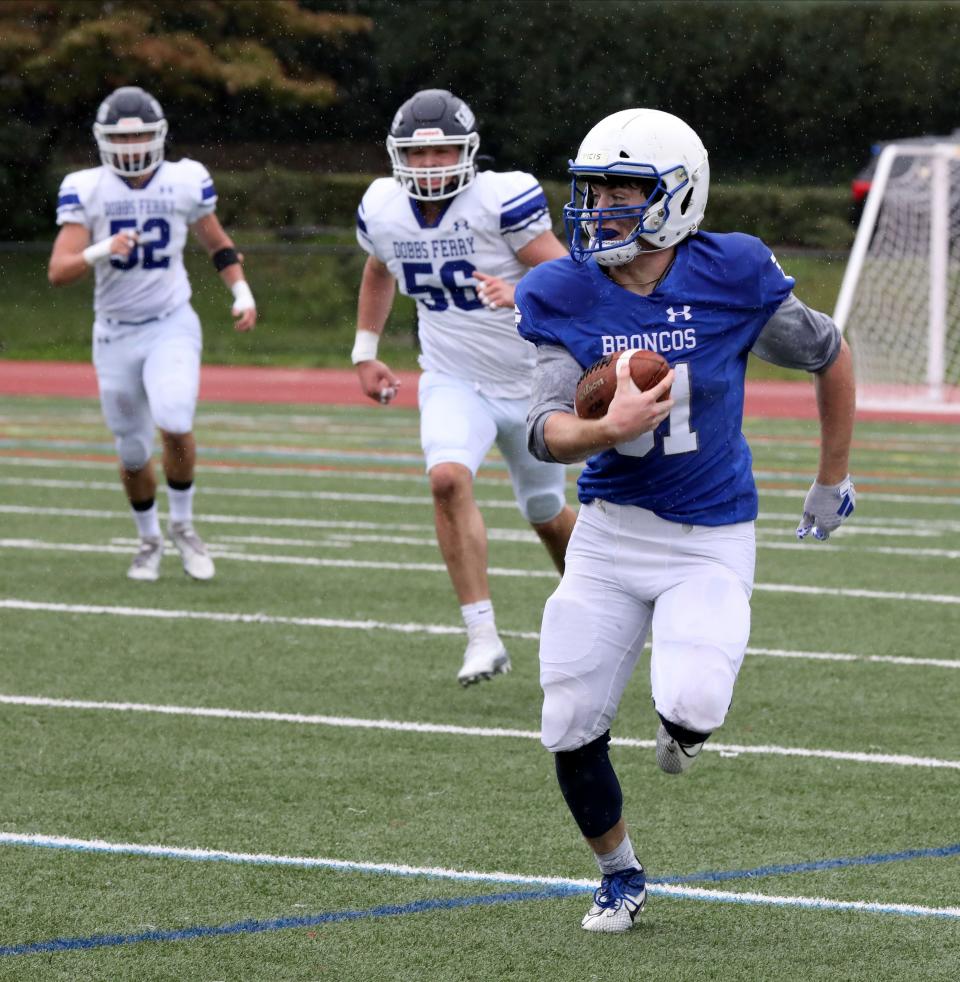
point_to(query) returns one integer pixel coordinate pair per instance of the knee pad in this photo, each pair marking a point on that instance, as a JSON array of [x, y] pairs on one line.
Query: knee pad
[[543, 507], [173, 417], [590, 787], [134, 449]]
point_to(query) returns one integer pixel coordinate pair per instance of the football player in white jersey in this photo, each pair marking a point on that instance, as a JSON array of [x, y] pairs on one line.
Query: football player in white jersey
[[457, 241], [127, 220]]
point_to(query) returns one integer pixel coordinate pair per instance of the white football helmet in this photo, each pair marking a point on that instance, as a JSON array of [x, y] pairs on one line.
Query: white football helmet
[[130, 110], [433, 116], [655, 149]]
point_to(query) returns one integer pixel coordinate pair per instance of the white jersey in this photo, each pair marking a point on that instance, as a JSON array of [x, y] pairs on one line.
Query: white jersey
[[480, 229], [152, 280]]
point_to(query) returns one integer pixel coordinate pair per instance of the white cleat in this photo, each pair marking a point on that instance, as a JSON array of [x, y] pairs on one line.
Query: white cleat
[[616, 902], [485, 656], [674, 757], [146, 563], [196, 560]]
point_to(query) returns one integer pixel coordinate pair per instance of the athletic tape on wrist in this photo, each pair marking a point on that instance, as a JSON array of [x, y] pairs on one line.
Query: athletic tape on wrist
[[365, 346]]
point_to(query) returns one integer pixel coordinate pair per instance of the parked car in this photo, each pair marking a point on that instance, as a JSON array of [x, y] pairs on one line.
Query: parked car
[[860, 186]]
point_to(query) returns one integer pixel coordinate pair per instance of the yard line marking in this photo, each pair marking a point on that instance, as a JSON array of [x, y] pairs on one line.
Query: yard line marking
[[252, 926], [549, 574], [70, 485], [440, 873], [11, 603], [726, 750]]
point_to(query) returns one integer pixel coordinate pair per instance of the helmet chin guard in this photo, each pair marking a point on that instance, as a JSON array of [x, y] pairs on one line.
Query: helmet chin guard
[[433, 117], [637, 146]]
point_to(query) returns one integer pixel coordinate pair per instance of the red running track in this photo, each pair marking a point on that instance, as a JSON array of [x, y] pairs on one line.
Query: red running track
[[331, 386]]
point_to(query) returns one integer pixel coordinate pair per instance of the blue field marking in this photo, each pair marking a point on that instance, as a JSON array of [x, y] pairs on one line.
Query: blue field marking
[[280, 923], [812, 866]]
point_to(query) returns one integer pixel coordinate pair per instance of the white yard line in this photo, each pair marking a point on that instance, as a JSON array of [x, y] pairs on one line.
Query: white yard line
[[39, 545], [196, 854], [726, 750], [223, 617]]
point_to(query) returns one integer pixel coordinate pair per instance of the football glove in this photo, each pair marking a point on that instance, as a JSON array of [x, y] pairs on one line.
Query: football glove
[[825, 507]]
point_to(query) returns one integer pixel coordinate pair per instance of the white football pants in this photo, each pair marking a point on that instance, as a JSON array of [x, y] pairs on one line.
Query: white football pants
[[459, 425], [627, 569], [148, 375]]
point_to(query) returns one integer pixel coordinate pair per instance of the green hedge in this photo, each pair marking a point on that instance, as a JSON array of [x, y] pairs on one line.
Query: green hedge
[[271, 199]]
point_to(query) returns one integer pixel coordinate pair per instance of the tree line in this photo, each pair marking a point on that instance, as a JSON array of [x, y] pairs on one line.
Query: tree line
[[788, 92]]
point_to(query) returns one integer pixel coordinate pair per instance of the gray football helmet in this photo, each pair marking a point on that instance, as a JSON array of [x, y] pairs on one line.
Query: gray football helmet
[[130, 110], [437, 117]]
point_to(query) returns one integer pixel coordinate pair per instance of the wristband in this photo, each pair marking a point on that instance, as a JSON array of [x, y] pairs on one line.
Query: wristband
[[365, 346], [242, 297], [97, 252]]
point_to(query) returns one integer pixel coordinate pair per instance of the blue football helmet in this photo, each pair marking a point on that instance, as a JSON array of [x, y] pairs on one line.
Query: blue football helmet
[[127, 111]]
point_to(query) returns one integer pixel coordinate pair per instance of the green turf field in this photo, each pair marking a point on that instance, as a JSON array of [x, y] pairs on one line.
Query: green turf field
[[274, 775]]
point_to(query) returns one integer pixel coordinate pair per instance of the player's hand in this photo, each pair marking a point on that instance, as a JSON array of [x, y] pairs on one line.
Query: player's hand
[[123, 243], [825, 507], [492, 291], [633, 412], [244, 320], [377, 381]]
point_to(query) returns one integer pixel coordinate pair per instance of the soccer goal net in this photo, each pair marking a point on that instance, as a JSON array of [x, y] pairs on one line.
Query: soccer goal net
[[899, 304]]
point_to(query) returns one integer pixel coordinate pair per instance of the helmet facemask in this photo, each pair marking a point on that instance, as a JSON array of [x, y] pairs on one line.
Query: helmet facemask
[[433, 183], [132, 159], [590, 230]]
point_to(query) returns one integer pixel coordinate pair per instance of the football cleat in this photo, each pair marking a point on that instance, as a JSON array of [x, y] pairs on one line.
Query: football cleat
[[674, 757], [196, 560], [485, 656], [616, 902], [146, 563]]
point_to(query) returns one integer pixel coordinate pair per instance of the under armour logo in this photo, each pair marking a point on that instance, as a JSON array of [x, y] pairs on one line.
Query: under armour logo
[[672, 314], [461, 225]]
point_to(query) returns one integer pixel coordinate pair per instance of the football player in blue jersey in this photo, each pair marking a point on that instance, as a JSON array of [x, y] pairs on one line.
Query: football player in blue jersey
[[127, 220], [664, 540], [457, 241]]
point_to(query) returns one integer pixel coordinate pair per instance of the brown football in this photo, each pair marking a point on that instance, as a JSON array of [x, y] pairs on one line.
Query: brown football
[[598, 383]]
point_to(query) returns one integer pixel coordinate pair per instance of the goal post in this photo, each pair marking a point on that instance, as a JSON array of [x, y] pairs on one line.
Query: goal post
[[899, 303]]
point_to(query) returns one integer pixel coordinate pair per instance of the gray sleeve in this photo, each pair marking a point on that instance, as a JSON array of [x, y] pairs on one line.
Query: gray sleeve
[[554, 384], [797, 336]]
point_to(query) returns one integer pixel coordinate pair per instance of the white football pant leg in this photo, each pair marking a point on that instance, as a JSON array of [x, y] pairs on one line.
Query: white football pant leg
[[592, 635], [456, 425], [171, 370], [700, 632], [537, 485], [118, 361]]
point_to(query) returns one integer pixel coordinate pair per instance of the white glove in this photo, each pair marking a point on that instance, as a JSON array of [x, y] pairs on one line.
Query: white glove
[[825, 507]]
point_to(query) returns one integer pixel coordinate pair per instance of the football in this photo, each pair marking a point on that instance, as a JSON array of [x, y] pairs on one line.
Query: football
[[598, 383]]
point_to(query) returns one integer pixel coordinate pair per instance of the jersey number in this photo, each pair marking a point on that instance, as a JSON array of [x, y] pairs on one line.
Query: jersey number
[[150, 249], [452, 276], [680, 439]]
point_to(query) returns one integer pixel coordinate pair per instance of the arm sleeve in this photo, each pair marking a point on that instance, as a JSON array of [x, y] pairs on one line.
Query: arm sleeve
[[70, 210], [554, 384], [796, 336], [524, 213], [203, 195]]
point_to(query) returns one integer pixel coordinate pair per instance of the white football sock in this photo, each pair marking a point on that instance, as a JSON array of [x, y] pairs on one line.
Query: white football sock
[[148, 522], [623, 857], [181, 504], [476, 614]]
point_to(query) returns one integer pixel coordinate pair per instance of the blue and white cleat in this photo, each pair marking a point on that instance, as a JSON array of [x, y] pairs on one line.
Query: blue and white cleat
[[616, 902]]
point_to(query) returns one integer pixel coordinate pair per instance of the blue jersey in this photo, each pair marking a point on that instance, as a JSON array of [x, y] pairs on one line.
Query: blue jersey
[[704, 318]]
